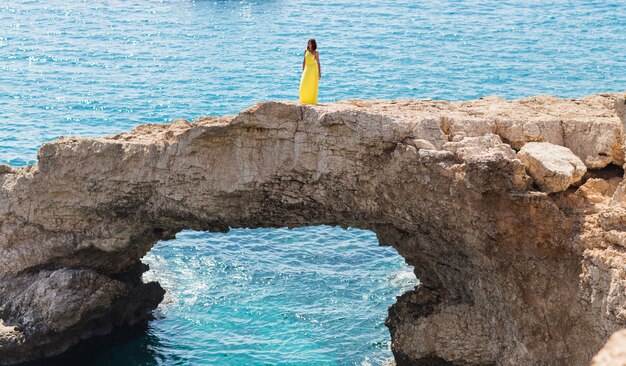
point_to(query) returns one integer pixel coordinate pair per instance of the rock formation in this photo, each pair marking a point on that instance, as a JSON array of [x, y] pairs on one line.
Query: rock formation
[[513, 270]]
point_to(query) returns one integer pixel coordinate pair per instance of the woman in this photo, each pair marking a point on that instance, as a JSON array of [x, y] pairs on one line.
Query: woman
[[311, 74]]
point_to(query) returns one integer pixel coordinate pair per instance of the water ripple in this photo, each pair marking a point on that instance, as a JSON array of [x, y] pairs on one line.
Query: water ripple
[[305, 296]]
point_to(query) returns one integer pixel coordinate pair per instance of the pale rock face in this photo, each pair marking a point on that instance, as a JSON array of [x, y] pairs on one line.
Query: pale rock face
[[613, 353], [508, 275], [422, 144], [554, 168]]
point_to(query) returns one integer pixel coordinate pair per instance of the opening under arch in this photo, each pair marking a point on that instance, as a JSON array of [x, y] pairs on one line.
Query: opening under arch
[[316, 294]]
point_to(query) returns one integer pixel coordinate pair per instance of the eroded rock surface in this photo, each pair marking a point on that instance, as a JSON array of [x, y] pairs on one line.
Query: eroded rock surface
[[509, 275]]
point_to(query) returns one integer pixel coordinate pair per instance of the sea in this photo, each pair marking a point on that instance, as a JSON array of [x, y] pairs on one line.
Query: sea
[[308, 296]]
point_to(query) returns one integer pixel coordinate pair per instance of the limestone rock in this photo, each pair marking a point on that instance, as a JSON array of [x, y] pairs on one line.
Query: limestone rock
[[554, 168], [509, 275], [423, 144], [614, 352]]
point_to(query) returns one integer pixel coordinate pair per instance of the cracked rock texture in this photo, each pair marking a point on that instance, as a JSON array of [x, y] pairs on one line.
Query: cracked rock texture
[[509, 274]]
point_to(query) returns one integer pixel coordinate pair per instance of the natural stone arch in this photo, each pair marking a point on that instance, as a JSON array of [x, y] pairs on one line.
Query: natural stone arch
[[509, 275]]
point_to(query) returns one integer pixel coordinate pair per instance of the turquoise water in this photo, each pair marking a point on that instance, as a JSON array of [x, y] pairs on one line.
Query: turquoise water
[[315, 295], [304, 296], [309, 296]]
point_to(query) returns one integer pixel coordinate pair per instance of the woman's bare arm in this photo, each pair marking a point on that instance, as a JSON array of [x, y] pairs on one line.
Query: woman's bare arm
[[303, 60], [319, 66]]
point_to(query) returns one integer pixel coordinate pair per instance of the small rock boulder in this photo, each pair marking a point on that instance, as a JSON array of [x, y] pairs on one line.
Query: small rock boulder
[[554, 168], [5, 169], [423, 144]]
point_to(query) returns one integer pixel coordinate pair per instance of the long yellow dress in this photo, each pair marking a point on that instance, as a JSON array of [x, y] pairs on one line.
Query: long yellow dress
[[310, 80]]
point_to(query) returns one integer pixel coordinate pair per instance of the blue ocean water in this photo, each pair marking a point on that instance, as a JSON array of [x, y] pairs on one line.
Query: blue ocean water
[[96, 67]]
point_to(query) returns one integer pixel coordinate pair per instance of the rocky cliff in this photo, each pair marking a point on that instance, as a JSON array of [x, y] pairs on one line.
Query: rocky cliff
[[513, 214]]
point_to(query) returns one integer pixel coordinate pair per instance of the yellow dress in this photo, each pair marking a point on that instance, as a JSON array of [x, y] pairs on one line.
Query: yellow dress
[[310, 80]]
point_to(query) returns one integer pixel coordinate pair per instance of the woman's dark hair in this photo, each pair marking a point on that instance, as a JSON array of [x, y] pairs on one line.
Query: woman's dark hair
[[312, 43]]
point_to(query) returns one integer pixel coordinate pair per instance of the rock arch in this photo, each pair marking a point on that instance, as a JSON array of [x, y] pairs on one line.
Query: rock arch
[[509, 274]]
